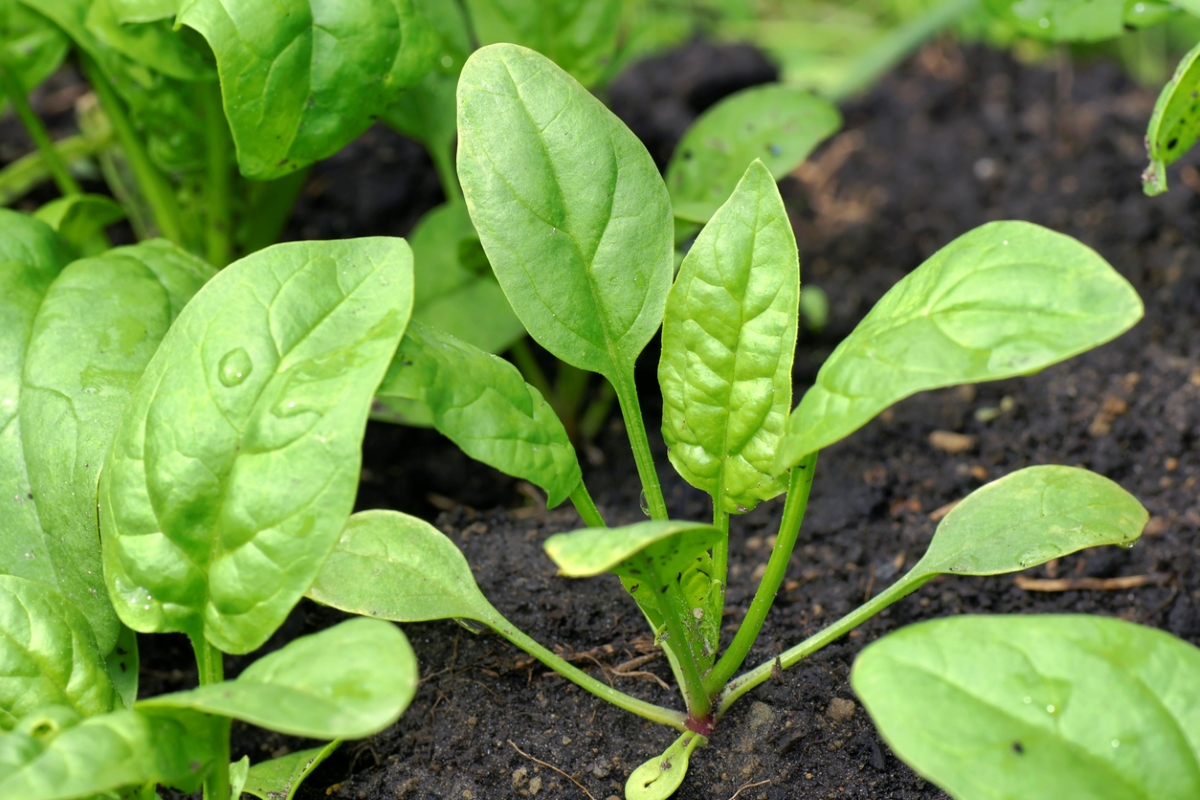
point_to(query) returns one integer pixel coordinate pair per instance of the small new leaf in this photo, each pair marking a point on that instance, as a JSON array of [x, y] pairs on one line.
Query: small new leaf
[[1175, 124], [279, 778]]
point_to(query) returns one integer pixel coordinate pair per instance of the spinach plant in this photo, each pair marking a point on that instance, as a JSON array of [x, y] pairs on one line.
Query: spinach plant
[[178, 452], [1175, 125], [577, 225]]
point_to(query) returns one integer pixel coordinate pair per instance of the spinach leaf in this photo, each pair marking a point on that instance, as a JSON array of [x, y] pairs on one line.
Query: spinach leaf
[[481, 403], [52, 758], [123, 664], [1175, 125], [285, 69], [154, 44], [81, 219], [346, 682], [1038, 707], [1063, 20], [279, 778], [778, 124], [455, 290], [569, 206], [1006, 299], [658, 778], [578, 35], [31, 46], [237, 460], [95, 332], [727, 342], [48, 655], [144, 10]]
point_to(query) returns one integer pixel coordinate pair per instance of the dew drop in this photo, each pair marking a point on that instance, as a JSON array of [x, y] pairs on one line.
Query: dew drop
[[1028, 699], [146, 607], [964, 565], [289, 408], [644, 503], [1043, 23], [235, 367], [1116, 742], [1050, 709]]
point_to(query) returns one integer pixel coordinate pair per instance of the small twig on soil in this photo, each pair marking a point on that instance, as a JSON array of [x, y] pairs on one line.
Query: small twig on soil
[[745, 786], [644, 674], [1071, 584], [582, 788]]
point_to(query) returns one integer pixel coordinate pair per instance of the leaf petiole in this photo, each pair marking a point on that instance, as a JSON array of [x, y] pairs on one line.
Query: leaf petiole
[[210, 662], [631, 410], [586, 507], [219, 166]]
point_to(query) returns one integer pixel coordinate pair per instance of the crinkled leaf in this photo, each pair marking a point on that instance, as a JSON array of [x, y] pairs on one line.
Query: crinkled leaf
[[279, 778], [569, 206], [393, 566], [1063, 20], [114, 751], [96, 330], [30, 45], [155, 44], [1006, 299], [346, 682], [300, 78], [578, 35], [658, 778], [455, 290], [237, 460], [780, 125], [1039, 707], [727, 342], [481, 403], [1175, 125], [1031, 516], [79, 218], [48, 655]]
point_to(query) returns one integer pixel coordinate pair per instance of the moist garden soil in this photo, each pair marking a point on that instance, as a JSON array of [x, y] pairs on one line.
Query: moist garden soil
[[955, 138]]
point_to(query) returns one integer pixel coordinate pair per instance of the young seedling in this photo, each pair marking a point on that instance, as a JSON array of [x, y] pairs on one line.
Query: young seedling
[[578, 227]]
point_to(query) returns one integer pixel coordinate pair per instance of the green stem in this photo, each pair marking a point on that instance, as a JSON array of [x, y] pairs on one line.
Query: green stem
[[530, 369], [663, 716], [631, 410], [31, 169], [586, 507], [597, 411], [154, 185], [721, 548], [799, 486], [218, 233], [211, 665], [788, 658], [37, 132], [674, 612]]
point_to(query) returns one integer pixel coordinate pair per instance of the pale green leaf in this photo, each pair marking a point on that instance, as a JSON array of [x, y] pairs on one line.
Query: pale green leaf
[[779, 125], [664, 547], [300, 79], [1006, 299], [279, 778], [1175, 125], [1063, 20], [237, 460], [346, 682], [481, 403], [658, 778], [79, 218], [569, 206], [1039, 707], [728, 337], [155, 44]]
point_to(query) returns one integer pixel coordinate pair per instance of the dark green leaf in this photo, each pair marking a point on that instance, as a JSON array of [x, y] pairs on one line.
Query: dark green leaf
[[156, 44], [300, 79], [346, 682], [569, 206], [79, 218], [727, 342], [1029, 517], [1175, 125], [53, 761], [1006, 299], [578, 35], [780, 125], [98, 326], [279, 778], [30, 45], [1039, 707], [481, 403], [48, 655], [237, 460]]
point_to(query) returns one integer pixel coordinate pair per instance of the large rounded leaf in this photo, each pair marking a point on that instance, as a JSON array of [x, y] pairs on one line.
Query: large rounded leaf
[[1006, 299], [1039, 707], [237, 461]]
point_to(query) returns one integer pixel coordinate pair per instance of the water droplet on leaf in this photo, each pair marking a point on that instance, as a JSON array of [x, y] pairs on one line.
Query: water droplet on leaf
[[235, 367], [644, 503]]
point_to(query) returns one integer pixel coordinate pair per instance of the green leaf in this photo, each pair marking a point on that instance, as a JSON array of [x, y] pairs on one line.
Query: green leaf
[[346, 682], [1039, 707], [122, 665], [665, 547], [155, 44], [1063, 20], [1006, 299], [569, 206], [279, 778], [728, 337], [55, 761], [481, 403], [96, 330], [238, 771], [658, 778], [31, 257], [1175, 125], [48, 655], [1029, 517], [30, 45], [300, 79], [237, 460], [780, 125], [79, 218], [144, 10], [580, 36], [393, 566], [453, 294]]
